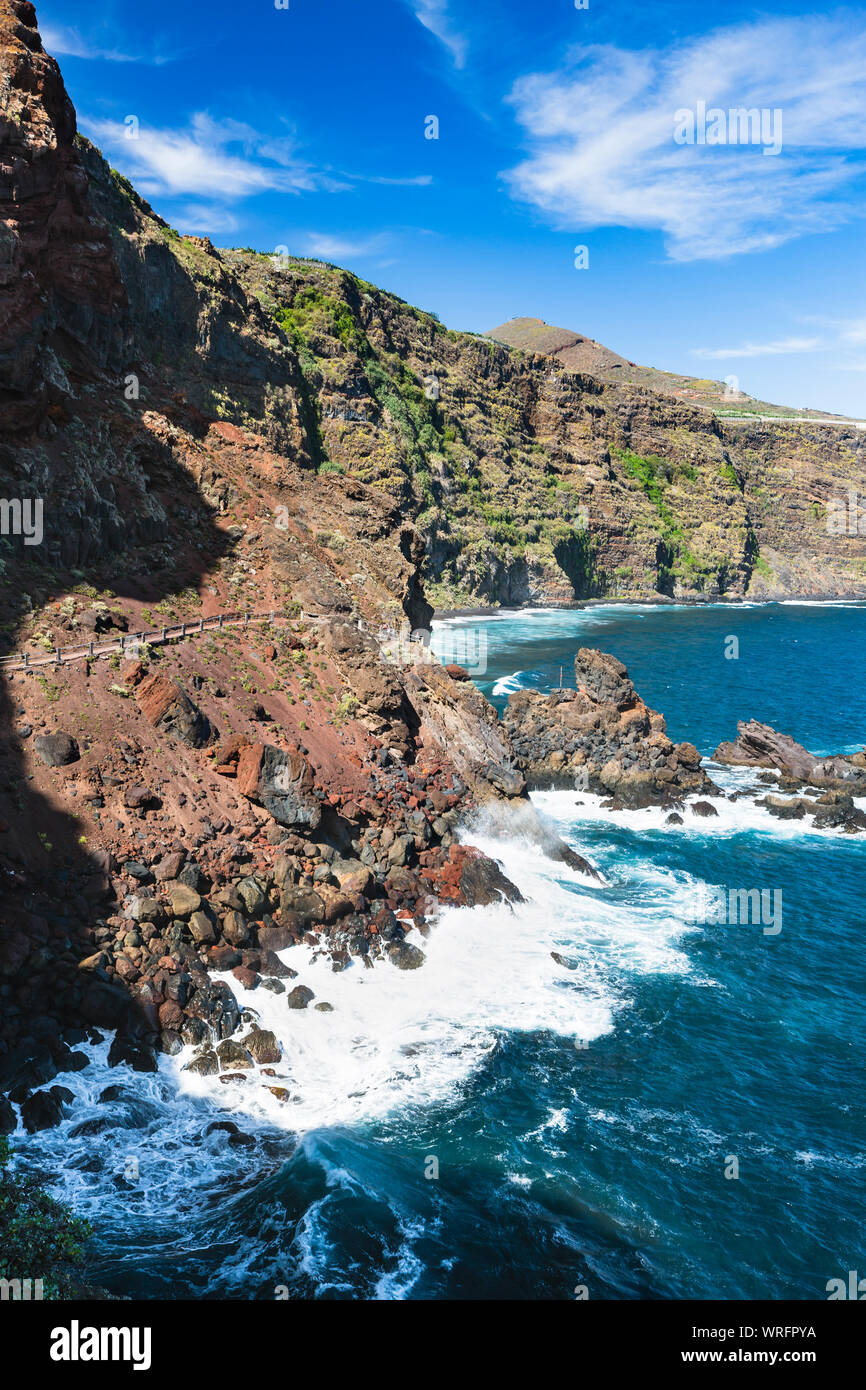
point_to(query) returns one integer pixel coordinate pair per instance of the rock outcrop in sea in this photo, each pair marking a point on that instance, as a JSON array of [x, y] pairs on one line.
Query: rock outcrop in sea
[[601, 737]]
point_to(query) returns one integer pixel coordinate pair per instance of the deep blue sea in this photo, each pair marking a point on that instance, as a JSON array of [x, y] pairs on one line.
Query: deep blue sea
[[672, 1109]]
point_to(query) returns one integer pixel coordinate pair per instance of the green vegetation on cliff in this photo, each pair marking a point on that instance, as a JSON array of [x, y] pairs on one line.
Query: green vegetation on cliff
[[529, 479]]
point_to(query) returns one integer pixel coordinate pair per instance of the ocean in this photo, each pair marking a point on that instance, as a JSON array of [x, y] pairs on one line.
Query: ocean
[[668, 1109]]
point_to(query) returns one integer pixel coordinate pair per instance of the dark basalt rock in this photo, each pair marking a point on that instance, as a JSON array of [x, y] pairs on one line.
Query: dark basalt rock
[[133, 1052], [785, 809], [205, 1065], [300, 997], [405, 956], [760, 745], [233, 1054], [482, 881], [262, 1046], [601, 737], [275, 986], [56, 750], [843, 815], [703, 808], [111, 1093], [41, 1110]]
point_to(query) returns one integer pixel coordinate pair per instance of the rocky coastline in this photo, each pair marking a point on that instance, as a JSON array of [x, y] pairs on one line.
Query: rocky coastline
[[210, 431]]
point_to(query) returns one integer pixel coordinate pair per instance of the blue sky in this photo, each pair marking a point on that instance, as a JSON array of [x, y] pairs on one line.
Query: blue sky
[[305, 127]]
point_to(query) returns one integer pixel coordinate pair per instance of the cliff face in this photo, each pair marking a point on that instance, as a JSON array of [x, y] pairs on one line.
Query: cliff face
[[64, 303], [531, 483]]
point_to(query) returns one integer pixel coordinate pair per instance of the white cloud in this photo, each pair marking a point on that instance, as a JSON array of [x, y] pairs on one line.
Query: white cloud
[[223, 160], [409, 181], [433, 14], [602, 153], [205, 219], [70, 43], [331, 248], [775, 349]]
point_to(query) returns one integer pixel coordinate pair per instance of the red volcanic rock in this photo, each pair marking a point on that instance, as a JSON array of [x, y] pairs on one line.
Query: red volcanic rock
[[167, 706], [249, 767], [246, 977], [228, 754], [170, 1015], [62, 290]]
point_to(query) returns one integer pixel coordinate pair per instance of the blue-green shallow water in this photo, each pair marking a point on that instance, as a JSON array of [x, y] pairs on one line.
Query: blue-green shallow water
[[582, 1119]]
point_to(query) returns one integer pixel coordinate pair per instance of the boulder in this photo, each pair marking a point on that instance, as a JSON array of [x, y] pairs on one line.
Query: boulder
[[760, 745], [206, 1064], [482, 880], [303, 905], [253, 894], [300, 997], [56, 750], [201, 928], [281, 783], [166, 706], [41, 1110], [233, 1055], [405, 956], [183, 900], [262, 1046], [274, 938]]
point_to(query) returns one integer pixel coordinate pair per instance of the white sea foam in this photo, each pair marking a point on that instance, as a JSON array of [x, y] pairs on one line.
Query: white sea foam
[[732, 817], [506, 685]]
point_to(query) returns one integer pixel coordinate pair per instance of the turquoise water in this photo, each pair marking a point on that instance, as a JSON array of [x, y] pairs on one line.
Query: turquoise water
[[500, 1124]]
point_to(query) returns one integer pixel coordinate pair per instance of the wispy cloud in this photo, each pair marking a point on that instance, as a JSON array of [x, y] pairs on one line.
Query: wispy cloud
[[206, 219], [435, 16], [219, 160], [781, 347], [844, 337], [332, 248], [601, 148], [70, 43], [397, 181]]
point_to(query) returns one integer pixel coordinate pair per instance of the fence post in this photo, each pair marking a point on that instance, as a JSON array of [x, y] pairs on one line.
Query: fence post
[[164, 631], [220, 622], [26, 660], [201, 624], [183, 630], [57, 656]]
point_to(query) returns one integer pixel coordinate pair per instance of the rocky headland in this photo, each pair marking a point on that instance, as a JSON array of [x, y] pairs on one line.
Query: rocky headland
[[601, 737]]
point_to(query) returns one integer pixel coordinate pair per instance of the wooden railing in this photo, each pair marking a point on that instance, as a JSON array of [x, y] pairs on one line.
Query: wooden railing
[[129, 640]]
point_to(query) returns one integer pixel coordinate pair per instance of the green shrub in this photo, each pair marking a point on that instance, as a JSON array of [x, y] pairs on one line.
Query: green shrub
[[39, 1237]]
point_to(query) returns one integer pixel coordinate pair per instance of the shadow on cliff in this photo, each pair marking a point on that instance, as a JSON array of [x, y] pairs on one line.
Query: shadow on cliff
[[53, 889]]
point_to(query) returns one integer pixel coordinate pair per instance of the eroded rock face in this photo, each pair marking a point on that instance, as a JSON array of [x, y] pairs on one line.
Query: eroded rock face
[[62, 291], [760, 745], [600, 737]]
